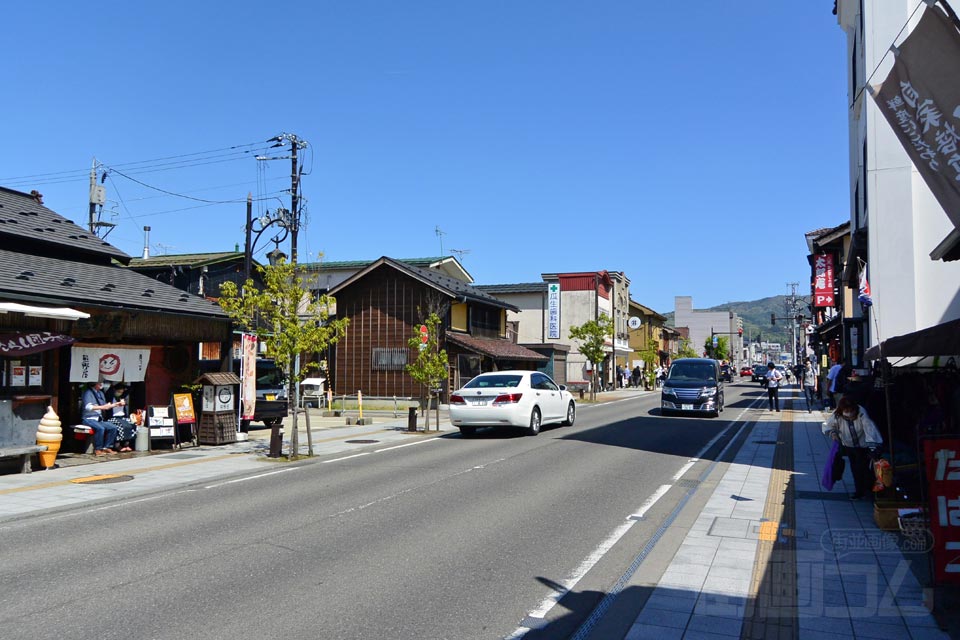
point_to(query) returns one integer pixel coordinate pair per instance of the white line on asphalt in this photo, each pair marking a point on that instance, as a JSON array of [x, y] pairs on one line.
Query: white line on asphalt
[[356, 455], [685, 468], [261, 475], [652, 500], [409, 444]]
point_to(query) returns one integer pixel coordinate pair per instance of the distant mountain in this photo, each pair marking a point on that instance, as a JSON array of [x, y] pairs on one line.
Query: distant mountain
[[756, 318]]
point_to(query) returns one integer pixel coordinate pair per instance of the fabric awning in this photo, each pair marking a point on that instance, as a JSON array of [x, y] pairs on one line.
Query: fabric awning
[[940, 340], [59, 313], [25, 343], [949, 248], [496, 348]]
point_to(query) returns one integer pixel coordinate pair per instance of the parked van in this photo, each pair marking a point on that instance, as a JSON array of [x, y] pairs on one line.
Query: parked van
[[693, 385]]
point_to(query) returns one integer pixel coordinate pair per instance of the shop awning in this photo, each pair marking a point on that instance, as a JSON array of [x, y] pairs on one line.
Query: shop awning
[[24, 343], [940, 340], [496, 348], [59, 313], [949, 248]]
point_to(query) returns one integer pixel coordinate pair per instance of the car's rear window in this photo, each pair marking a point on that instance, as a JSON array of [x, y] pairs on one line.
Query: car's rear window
[[493, 382], [691, 371]]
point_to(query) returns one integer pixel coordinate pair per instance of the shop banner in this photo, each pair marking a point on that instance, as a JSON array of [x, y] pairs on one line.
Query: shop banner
[[823, 280], [920, 99], [942, 457], [23, 343], [248, 376], [89, 364]]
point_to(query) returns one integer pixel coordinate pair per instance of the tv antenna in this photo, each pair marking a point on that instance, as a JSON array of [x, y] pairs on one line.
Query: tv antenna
[[440, 233], [460, 253]]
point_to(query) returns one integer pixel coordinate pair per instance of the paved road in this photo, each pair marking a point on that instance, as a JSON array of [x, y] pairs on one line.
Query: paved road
[[442, 538]]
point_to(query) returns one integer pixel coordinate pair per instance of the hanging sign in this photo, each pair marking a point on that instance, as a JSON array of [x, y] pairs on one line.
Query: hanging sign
[[942, 457], [23, 343], [248, 377], [823, 280]]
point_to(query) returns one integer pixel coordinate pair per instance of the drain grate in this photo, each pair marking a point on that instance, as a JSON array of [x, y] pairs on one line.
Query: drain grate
[[182, 456], [104, 479], [689, 484], [361, 441]]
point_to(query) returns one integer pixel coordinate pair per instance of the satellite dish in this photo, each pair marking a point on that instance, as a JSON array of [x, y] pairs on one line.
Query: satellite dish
[[633, 322]]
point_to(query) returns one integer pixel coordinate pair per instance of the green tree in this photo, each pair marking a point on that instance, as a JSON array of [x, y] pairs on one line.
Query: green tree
[[651, 357], [685, 350], [430, 367], [591, 335], [284, 317], [721, 352]]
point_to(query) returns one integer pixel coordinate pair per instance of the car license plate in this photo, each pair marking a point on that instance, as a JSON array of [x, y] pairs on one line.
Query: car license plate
[[270, 396], [687, 407], [478, 403]]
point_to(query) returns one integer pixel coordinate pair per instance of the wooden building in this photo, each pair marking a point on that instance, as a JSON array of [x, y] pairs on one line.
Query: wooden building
[[386, 303]]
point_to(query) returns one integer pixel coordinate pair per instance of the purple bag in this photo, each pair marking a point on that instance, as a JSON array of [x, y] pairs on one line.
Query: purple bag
[[829, 476]]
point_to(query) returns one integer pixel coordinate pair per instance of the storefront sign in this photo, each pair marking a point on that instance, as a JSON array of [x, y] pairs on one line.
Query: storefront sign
[[823, 280], [183, 407], [919, 99], [89, 364], [24, 343], [18, 376], [248, 376], [942, 456], [35, 376], [553, 312], [223, 400]]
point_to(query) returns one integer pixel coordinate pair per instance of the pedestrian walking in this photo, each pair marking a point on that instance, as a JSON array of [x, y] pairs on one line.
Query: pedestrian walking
[[809, 381], [859, 441], [835, 389], [773, 378], [637, 374]]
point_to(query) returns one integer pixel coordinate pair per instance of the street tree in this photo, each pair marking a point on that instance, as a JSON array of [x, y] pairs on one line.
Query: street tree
[[592, 335], [650, 355], [721, 351], [685, 350], [430, 367], [291, 324]]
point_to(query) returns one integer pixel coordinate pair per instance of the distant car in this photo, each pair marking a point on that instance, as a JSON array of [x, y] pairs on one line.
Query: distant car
[[759, 373], [726, 372], [521, 399], [693, 384], [746, 371]]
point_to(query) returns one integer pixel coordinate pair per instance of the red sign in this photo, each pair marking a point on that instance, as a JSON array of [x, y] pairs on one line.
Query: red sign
[[942, 456], [823, 280], [424, 335]]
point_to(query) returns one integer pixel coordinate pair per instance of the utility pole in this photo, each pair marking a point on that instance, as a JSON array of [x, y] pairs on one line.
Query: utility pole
[[247, 258], [93, 189]]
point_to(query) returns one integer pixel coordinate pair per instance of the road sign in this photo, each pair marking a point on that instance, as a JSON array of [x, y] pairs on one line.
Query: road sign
[[424, 334]]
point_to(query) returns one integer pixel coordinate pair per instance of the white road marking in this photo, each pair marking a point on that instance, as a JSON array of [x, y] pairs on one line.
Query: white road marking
[[409, 444], [261, 475], [652, 500], [356, 455], [685, 468]]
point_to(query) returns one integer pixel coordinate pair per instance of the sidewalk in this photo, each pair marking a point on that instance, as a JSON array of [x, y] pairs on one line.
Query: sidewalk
[[775, 556]]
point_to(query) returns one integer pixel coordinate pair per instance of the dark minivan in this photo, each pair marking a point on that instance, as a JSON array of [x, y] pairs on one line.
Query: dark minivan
[[693, 384]]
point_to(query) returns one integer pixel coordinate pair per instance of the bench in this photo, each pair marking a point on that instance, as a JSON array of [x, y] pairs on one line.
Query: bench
[[85, 434], [24, 454]]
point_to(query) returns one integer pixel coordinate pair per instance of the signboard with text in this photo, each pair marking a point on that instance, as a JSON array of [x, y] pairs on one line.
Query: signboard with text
[[823, 280], [942, 457], [553, 312]]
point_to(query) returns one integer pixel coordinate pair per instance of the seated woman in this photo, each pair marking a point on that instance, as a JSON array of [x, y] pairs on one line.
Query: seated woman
[[126, 430]]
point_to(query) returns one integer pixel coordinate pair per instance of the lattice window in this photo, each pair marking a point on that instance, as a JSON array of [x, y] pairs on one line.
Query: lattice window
[[389, 358]]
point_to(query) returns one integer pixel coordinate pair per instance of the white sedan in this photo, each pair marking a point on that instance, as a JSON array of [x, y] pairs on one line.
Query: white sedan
[[525, 399]]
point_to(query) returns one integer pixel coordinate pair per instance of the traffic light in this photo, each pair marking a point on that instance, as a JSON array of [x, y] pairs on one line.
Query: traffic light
[[773, 318]]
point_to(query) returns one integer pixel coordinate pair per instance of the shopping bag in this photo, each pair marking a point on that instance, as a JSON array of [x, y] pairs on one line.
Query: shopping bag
[[833, 469]]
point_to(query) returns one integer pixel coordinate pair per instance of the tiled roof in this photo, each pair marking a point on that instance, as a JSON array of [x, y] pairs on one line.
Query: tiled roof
[[186, 259], [451, 286], [520, 287], [22, 217], [497, 348], [56, 280], [360, 264]]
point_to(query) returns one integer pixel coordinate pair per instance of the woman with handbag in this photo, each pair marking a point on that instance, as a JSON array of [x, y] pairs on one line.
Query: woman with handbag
[[859, 438]]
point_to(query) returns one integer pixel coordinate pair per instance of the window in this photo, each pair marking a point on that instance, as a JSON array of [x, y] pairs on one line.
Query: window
[[389, 358]]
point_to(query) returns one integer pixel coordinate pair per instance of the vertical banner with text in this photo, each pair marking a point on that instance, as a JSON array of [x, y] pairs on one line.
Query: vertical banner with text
[[823, 280], [942, 458], [248, 376], [553, 311]]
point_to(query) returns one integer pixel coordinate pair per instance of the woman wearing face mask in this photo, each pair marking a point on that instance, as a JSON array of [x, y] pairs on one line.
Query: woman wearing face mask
[[858, 435]]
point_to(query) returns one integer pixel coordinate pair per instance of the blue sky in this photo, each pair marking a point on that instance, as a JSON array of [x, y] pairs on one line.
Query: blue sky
[[689, 145]]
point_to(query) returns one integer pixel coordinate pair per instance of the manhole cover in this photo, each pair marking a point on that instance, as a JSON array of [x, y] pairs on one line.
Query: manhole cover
[[104, 479], [362, 441]]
